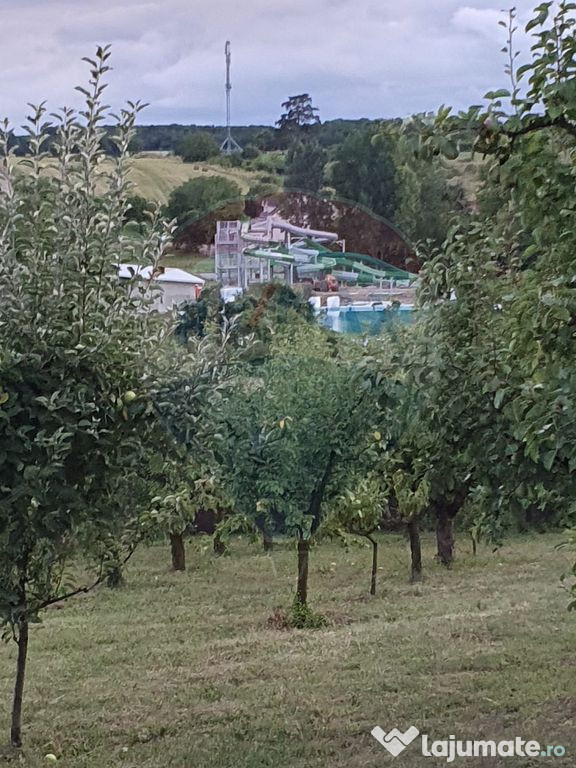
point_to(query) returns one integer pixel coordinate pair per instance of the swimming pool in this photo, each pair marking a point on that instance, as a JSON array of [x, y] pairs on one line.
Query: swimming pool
[[369, 320]]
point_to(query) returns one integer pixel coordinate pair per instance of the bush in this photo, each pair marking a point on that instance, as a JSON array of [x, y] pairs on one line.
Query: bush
[[271, 162], [198, 204], [197, 146], [260, 189], [303, 617], [139, 209], [235, 160], [199, 196], [250, 152]]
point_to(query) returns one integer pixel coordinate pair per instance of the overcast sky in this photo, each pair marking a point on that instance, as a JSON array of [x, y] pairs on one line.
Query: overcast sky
[[357, 58]]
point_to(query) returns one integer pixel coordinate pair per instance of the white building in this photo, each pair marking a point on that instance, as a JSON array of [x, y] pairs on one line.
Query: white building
[[177, 286]]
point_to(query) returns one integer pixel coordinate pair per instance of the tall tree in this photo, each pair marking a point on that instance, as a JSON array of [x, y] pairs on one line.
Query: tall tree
[[305, 166], [499, 373], [299, 114], [78, 366], [186, 472], [364, 171]]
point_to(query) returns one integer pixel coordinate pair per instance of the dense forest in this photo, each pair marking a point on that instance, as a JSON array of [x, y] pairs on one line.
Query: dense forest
[[166, 138]]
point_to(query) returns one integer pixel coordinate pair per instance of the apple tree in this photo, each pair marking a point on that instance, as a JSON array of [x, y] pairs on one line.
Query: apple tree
[[293, 433], [79, 364], [359, 511], [499, 375]]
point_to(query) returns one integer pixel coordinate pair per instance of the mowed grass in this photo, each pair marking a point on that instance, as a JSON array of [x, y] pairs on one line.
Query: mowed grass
[[183, 670], [154, 177], [191, 262]]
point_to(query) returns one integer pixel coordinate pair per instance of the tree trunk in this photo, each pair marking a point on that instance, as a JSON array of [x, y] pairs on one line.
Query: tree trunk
[[178, 551], [303, 558], [267, 540], [374, 564], [444, 535], [115, 578], [218, 545], [16, 727], [415, 551], [263, 525]]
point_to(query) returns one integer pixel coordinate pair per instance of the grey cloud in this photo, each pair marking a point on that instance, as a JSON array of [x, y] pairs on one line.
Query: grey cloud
[[358, 58]]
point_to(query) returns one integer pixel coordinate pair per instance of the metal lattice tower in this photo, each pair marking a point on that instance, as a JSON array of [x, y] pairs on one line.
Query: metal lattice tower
[[229, 145]]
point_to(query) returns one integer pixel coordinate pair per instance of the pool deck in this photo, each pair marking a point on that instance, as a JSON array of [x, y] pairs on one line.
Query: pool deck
[[370, 294]]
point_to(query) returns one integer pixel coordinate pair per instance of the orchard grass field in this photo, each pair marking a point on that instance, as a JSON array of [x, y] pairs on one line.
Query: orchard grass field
[[195, 669]]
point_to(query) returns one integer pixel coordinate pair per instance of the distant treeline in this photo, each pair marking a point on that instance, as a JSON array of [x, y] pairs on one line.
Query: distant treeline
[[150, 138], [166, 138]]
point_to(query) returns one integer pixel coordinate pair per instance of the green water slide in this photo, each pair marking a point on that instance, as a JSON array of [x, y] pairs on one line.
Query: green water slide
[[274, 256], [282, 255], [369, 269], [370, 265]]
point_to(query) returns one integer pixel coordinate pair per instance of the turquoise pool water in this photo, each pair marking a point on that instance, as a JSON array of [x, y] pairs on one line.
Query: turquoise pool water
[[367, 321]]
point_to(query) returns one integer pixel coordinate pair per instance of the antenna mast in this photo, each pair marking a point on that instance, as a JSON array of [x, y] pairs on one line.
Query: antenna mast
[[229, 145]]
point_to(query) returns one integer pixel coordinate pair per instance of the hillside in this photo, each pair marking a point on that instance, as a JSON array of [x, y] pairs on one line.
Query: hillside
[[156, 174], [155, 177]]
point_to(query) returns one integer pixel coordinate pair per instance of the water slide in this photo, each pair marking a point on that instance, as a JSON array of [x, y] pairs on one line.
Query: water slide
[[251, 237], [271, 254], [313, 234], [309, 254], [354, 264], [358, 265], [377, 264], [290, 256], [346, 267]]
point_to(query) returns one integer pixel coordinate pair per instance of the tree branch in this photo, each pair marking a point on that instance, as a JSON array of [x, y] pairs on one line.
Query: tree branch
[[540, 123], [319, 491], [81, 590]]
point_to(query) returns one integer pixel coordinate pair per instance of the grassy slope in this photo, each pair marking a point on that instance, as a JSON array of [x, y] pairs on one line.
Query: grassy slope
[[156, 177], [181, 670]]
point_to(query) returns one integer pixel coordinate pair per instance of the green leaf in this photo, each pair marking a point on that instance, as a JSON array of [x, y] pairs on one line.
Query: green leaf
[[498, 397], [502, 93]]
